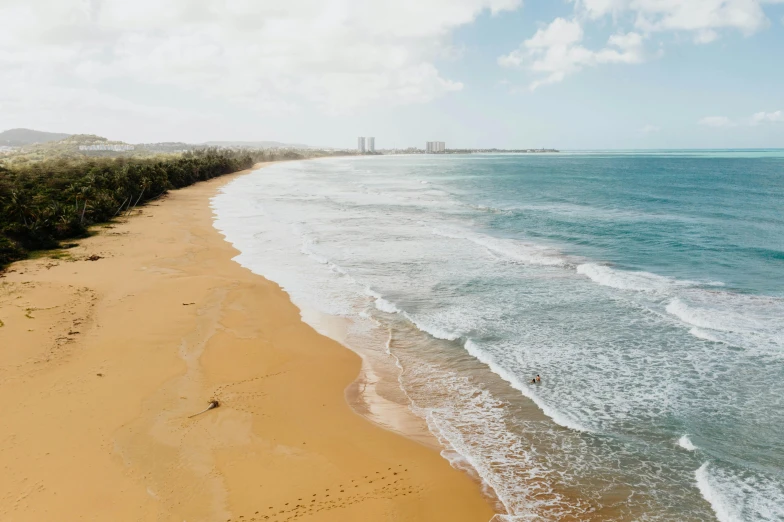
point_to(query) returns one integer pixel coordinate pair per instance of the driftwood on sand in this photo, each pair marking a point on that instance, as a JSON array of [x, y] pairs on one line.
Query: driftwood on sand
[[213, 404]]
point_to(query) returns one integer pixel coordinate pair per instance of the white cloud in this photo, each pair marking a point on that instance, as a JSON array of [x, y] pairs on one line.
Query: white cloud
[[700, 16], [650, 129], [555, 52], [716, 121], [270, 56], [755, 119], [767, 117], [705, 36]]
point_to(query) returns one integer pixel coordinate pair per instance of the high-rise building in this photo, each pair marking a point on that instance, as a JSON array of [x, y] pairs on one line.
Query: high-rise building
[[371, 144], [361, 145], [435, 147]]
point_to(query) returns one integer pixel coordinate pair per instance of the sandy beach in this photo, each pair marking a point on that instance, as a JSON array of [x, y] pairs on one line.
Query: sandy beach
[[103, 361]]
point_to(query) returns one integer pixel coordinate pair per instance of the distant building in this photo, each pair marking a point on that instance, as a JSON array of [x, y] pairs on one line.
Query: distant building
[[361, 145], [435, 147], [371, 144]]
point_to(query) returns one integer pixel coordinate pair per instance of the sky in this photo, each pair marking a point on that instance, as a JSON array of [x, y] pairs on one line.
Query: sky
[[566, 74]]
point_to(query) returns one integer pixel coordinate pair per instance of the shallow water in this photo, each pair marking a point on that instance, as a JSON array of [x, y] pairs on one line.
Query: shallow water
[[647, 289]]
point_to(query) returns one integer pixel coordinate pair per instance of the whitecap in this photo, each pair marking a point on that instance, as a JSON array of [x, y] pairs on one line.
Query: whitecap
[[721, 506], [740, 497], [527, 390], [385, 306], [511, 249], [686, 443], [751, 322], [433, 330], [629, 280]]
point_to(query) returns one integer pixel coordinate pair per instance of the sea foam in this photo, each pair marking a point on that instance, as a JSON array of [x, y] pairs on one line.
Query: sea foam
[[511, 249], [751, 322], [526, 389], [725, 511], [685, 443], [628, 280], [740, 497]]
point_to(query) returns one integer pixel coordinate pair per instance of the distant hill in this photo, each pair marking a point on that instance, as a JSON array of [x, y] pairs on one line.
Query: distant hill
[[22, 137], [18, 146], [258, 144], [73, 146]]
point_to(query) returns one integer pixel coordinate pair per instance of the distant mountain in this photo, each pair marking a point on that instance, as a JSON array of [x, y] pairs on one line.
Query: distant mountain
[[258, 144], [22, 137]]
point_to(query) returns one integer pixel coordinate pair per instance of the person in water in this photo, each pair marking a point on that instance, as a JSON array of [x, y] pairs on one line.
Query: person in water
[[538, 379]]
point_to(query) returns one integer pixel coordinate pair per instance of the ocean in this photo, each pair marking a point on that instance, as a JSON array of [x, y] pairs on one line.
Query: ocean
[[645, 288]]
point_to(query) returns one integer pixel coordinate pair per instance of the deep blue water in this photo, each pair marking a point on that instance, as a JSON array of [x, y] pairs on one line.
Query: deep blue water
[[646, 288], [688, 217]]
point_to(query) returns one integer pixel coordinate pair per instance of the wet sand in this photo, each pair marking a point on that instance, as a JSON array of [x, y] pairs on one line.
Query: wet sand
[[102, 362]]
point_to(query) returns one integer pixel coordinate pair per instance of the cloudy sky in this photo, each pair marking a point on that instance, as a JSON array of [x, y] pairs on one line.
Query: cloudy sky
[[571, 74]]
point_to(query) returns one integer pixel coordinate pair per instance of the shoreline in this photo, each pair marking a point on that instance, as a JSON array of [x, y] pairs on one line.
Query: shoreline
[[363, 395], [378, 395], [109, 359]]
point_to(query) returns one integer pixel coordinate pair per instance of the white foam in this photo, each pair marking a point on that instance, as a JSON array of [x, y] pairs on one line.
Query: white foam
[[724, 510], [307, 249], [751, 322], [628, 280], [690, 315], [685, 443], [438, 333], [385, 306], [740, 498], [471, 421], [702, 334], [527, 390], [381, 303], [511, 249]]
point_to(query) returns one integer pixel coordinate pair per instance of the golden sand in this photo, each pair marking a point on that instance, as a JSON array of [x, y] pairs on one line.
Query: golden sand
[[102, 363]]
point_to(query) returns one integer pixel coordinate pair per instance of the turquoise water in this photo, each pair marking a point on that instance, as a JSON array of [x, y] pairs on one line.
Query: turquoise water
[[647, 289]]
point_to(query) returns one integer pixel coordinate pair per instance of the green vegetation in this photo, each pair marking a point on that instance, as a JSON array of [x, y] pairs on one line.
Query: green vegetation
[[69, 148], [47, 201]]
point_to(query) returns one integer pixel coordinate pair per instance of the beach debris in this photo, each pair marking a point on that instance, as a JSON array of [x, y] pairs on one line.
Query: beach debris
[[94, 257], [188, 304], [99, 374], [212, 405]]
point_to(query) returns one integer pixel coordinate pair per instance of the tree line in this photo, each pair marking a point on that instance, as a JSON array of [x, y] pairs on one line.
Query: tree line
[[45, 202]]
